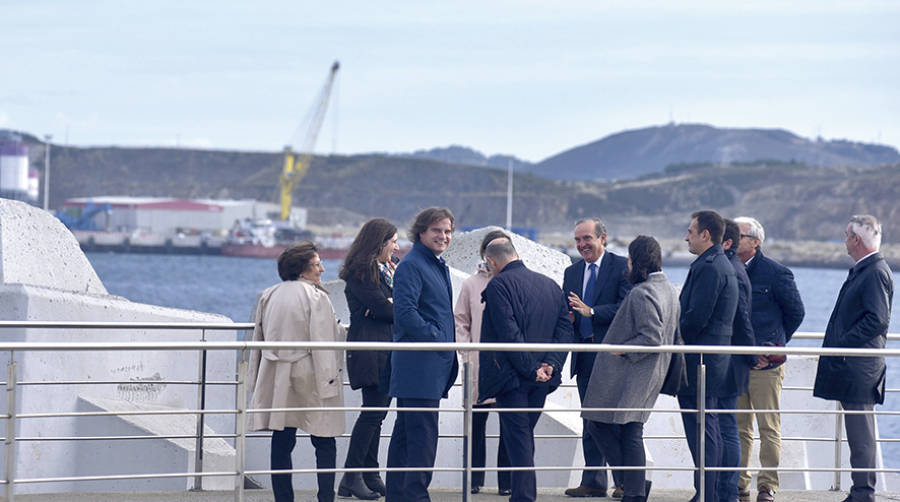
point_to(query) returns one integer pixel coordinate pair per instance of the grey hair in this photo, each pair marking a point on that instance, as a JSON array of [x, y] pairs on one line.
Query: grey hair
[[755, 229], [868, 229], [599, 226], [501, 249]]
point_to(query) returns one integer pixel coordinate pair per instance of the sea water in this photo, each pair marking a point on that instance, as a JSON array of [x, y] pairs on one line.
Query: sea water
[[229, 286]]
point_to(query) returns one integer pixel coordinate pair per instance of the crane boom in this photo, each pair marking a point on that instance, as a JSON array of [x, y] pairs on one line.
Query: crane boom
[[296, 164]]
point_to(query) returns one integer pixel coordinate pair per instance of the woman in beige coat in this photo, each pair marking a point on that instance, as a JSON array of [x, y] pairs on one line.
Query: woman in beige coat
[[298, 309]]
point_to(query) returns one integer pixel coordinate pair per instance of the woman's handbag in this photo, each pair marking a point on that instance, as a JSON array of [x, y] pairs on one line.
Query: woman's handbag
[[676, 376]]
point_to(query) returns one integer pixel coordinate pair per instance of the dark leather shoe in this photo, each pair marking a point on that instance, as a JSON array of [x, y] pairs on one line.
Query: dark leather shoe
[[618, 492], [586, 491], [352, 486], [373, 482], [504, 491], [476, 489]]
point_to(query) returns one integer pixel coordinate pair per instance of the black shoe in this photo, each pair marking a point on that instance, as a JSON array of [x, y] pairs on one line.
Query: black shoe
[[647, 485], [586, 491], [374, 482], [475, 489], [352, 486], [504, 491]]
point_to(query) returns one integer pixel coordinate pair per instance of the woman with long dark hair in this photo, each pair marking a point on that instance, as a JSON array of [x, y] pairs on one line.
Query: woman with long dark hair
[[648, 316], [368, 272]]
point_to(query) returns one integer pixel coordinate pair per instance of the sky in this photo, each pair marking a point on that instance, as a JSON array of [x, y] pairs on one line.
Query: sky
[[526, 78]]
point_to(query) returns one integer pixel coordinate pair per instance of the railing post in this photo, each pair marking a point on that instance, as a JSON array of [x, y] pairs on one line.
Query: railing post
[[467, 425], [201, 405], [10, 441], [240, 424], [838, 439], [701, 428]]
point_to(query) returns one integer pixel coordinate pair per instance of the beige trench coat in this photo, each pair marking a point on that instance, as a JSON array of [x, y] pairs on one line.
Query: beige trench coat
[[297, 311]]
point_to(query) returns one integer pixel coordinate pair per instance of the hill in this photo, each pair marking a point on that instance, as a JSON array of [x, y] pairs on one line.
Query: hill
[[630, 154], [456, 154]]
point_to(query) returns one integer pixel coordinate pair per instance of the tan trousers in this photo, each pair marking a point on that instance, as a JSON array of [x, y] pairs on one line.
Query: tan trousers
[[764, 394]]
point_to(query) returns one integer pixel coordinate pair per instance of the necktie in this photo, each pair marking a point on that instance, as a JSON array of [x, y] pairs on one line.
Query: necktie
[[586, 327]]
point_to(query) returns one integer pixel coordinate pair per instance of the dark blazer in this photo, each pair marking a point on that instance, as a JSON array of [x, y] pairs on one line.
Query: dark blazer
[[859, 320], [737, 378], [777, 306], [709, 300], [423, 312], [364, 367], [609, 290], [521, 306]]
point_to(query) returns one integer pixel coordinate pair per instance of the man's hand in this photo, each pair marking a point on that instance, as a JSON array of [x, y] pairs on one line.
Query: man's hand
[[761, 362], [544, 373], [578, 305]]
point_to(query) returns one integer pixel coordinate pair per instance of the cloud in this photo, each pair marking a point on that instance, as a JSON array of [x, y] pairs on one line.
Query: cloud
[[4, 118]]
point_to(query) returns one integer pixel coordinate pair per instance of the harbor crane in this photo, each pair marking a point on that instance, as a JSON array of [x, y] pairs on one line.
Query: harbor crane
[[297, 163]]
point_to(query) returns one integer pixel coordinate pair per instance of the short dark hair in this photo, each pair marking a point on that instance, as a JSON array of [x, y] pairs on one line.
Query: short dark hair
[[500, 249], [294, 260], [360, 261], [711, 222], [426, 218], [732, 233], [646, 258], [490, 236]]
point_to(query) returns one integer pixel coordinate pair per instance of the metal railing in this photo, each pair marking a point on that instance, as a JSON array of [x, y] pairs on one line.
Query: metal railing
[[241, 411]]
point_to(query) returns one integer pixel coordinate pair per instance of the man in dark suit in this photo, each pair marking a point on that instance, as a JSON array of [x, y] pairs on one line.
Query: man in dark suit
[[777, 312], [709, 300], [423, 312], [860, 320], [738, 376], [520, 306], [595, 287]]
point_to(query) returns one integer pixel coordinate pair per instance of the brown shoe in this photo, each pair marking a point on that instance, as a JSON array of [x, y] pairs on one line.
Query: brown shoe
[[765, 494], [586, 491], [743, 495]]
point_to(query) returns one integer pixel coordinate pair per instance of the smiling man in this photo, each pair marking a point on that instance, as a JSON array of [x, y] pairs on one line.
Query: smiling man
[[423, 312], [595, 287]]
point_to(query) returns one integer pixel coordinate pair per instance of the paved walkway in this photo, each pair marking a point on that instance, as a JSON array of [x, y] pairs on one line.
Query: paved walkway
[[544, 495]]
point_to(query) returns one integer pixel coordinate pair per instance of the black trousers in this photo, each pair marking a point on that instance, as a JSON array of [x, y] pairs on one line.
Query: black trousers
[[593, 454], [519, 430], [623, 444], [479, 450], [863, 452], [413, 444], [283, 443], [366, 435], [713, 438]]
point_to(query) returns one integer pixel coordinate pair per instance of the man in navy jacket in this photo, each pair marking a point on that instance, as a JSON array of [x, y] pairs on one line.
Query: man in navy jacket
[[777, 312], [520, 306], [593, 303], [709, 300], [860, 320], [423, 312]]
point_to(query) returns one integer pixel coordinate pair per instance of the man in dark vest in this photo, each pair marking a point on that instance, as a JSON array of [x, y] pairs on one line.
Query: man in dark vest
[[860, 320]]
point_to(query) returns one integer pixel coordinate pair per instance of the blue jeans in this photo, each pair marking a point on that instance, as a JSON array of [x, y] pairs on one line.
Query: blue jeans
[[712, 437], [731, 450]]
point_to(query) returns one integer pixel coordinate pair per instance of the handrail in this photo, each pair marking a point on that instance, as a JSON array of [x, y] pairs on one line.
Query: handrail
[[241, 435]]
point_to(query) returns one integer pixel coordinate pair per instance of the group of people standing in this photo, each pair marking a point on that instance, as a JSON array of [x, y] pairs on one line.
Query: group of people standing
[[733, 295]]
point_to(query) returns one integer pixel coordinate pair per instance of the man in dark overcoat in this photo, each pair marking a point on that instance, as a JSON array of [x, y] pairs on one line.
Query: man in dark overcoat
[[777, 312], [709, 300], [595, 287], [859, 320], [520, 306], [423, 312]]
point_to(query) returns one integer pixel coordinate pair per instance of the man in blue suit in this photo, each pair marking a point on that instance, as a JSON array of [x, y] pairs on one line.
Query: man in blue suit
[[423, 312], [777, 312], [709, 301], [595, 287]]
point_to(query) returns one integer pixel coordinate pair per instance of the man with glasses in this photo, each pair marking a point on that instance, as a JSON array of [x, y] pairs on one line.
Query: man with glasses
[[776, 313], [859, 320]]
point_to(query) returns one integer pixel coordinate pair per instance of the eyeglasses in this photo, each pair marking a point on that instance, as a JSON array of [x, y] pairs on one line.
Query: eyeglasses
[[747, 236]]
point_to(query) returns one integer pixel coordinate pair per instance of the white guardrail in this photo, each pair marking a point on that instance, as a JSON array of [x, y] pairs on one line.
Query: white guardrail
[[12, 416]]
